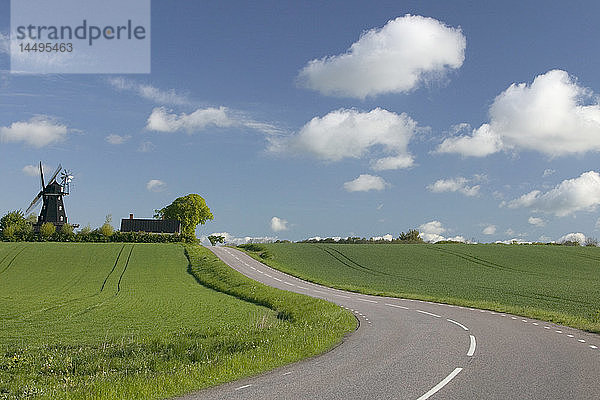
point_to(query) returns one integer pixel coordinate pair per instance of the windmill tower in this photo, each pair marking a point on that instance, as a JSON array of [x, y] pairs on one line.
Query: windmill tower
[[53, 208]]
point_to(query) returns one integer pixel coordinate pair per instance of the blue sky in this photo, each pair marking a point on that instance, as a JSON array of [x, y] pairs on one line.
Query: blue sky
[[471, 119]]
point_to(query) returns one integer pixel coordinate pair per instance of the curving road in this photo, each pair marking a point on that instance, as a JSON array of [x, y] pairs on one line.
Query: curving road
[[407, 349]]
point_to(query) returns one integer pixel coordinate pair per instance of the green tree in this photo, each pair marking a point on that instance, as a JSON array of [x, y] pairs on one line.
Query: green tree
[[14, 218], [412, 236], [190, 210], [47, 229], [107, 229], [67, 229], [214, 239]]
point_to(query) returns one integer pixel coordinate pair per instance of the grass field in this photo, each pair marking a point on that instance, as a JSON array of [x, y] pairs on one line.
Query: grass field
[[554, 283], [124, 321]]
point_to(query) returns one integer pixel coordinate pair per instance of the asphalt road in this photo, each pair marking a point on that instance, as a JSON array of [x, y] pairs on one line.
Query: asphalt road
[[405, 349]]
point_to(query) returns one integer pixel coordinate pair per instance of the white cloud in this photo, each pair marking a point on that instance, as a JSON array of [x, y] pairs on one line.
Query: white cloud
[[573, 237], [34, 170], [279, 224], [4, 43], [407, 51], [116, 139], [549, 116], [432, 227], [598, 223], [156, 185], [163, 120], [459, 184], [387, 237], [570, 196], [146, 147], [548, 172], [489, 230], [149, 92], [38, 132], [365, 182], [535, 221], [347, 133], [231, 239]]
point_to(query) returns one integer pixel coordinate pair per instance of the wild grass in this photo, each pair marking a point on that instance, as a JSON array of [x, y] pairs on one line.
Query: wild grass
[[554, 283], [144, 321]]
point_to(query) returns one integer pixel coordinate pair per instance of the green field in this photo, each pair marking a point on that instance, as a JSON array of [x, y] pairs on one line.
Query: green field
[[144, 321], [554, 283]]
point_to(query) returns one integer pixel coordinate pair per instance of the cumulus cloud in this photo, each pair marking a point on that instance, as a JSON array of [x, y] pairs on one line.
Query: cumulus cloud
[[163, 120], [365, 182], [535, 221], [387, 237], [573, 237], [549, 116], [347, 133], [116, 139], [38, 132], [489, 230], [279, 224], [570, 196], [149, 92], [432, 232], [459, 184], [405, 52], [548, 172], [156, 185], [232, 239]]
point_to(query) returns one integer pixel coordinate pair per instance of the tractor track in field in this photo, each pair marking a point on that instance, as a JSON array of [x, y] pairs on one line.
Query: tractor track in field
[[13, 259], [113, 268], [486, 263], [124, 269]]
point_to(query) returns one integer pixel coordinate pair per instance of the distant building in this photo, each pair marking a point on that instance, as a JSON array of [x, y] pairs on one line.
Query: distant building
[[150, 225]]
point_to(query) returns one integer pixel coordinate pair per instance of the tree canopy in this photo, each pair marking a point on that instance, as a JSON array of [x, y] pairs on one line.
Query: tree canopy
[[190, 210]]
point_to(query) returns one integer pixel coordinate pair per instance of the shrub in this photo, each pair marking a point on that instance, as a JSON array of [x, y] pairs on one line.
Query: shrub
[[67, 229], [8, 233], [107, 230], [47, 229]]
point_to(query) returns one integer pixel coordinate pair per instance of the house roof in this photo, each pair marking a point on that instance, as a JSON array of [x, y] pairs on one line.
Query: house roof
[[150, 225]]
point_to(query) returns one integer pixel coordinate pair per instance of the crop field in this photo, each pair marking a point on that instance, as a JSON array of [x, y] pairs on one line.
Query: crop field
[[554, 283], [123, 321]]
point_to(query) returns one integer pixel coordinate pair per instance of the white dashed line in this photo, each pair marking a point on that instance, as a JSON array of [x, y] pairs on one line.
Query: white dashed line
[[397, 306], [367, 300], [581, 341], [513, 317], [259, 271], [340, 295], [242, 387], [428, 313], [535, 323], [558, 331], [268, 275], [458, 323], [277, 279], [524, 320], [593, 347], [290, 284], [546, 327], [287, 373], [570, 336], [302, 287], [472, 346], [440, 385], [318, 291]]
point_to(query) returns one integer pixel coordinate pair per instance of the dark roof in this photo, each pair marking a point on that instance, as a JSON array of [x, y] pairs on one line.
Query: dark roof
[[150, 225]]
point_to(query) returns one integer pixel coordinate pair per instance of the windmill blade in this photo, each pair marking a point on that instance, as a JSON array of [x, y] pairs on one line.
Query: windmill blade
[[42, 175], [35, 201], [55, 173]]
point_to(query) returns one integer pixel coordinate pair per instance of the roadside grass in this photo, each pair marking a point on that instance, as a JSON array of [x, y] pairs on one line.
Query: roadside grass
[[559, 284], [117, 321]]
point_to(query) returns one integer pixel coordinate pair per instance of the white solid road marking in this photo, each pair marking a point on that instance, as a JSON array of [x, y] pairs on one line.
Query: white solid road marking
[[394, 305], [458, 323], [428, 313], [472, 346], [368, 301], [440, 385], [242, 387]]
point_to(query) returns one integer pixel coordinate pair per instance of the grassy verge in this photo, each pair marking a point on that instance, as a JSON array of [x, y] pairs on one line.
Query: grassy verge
[[553, 283], [117, 321]]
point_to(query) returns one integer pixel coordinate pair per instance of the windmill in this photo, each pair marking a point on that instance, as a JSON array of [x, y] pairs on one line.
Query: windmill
[[53, 208]]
